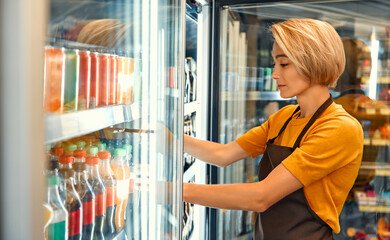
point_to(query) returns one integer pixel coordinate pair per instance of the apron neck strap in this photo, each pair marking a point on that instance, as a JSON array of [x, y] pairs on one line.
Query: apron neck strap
[[319, 111], [284, 126]]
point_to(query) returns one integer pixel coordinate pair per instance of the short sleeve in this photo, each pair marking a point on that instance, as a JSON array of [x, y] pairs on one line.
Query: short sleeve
[[331, 145], [254, 141]]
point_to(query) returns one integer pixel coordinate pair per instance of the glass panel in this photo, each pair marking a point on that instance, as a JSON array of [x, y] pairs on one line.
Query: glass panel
[[113, 97], [363, 90]]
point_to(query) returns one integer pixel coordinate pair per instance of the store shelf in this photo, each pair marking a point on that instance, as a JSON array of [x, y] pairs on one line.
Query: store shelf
[[381, 169], [253, 96], [374, 208], [376, 142], [63, 126], [382, 80], [191, 107]]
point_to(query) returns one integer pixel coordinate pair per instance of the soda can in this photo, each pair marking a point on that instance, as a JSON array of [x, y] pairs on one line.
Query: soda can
[[53, 84], [104, 80], [94, 81], [84, 80], [71, 80], [113, 79]]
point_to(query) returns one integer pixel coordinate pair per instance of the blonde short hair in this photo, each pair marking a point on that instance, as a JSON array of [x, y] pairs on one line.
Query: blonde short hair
[[314, 47]]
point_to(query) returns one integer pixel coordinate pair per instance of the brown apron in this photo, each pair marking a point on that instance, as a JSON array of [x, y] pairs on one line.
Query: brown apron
[[291, 217]]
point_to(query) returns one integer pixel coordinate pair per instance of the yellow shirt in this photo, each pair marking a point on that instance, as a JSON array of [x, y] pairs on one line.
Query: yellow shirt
[[327, 160]]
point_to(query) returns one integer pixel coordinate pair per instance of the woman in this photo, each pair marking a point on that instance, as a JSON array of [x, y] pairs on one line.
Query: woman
[[311, 151]]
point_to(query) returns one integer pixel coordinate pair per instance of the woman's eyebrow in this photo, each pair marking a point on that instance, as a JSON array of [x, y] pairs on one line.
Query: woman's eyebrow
[[280, 55]]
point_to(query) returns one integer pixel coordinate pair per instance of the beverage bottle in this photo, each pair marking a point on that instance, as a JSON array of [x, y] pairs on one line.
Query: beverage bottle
[[54, 169], [96, 182], [113, 79], [80, 145], [84, 80], [104, 80], [71, 79], [72, 200], [53, 91], [131, 196], [47, 219], [122, 174], [87, 198], [110, 184], [74, 207], [58, 229], [101, 147], [79, 156], [94, 82], [69, 149], [92, 151]]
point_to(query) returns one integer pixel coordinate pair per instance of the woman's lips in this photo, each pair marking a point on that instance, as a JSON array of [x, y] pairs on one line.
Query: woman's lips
[[280, 86]]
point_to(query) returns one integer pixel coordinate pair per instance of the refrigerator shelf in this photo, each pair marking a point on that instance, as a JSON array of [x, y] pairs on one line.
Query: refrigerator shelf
[[253, 96], [376, 142], [63, 126], [381, 169], [374, 208]]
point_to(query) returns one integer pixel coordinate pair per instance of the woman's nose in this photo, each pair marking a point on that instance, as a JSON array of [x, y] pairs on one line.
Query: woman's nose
[[274, 74]]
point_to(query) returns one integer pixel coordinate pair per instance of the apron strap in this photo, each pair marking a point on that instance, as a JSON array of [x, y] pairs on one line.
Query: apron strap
[[319, 111], [271, 140]]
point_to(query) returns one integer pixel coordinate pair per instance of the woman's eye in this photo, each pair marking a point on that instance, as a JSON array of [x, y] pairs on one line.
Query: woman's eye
[[284, 64]]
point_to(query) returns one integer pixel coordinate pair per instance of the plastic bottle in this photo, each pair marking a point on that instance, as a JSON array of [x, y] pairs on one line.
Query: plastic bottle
[[54, 169], [101, 147], [100, 193], [131, 197], [79, 156], [92, 151], [72, 200], [58, 229], [87, 197], [47, 219], [80, 145], [74, 207], [110, 184], [70, 148], [122, 174]]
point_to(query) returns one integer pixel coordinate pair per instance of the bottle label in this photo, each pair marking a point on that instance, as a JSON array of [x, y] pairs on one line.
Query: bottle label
[[88, 212], [100, 204], [122, 189], [58, 231], [74, 222], [111, 196]]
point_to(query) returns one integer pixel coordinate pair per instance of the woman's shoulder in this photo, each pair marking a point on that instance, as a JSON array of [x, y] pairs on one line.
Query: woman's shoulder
[[336, 114]]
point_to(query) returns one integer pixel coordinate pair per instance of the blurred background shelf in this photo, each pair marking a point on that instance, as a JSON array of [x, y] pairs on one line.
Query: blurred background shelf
[[253, 96]]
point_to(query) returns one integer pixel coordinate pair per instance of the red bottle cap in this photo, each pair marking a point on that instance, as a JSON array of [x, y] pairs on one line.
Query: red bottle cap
[[79, 153], [65, 159], [104, 155], [92, 160], [57, 151]]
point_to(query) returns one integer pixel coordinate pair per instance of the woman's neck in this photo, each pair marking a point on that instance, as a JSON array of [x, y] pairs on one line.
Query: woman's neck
[[310, 100]]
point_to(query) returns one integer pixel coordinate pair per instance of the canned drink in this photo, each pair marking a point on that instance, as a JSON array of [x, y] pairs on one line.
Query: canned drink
[[104, 80], [94, 81], [260, 82], [113, 79], [84, 80], [53, 84], [71, 80]]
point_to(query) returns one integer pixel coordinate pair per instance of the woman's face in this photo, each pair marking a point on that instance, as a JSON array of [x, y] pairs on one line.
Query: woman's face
[[290, 82]]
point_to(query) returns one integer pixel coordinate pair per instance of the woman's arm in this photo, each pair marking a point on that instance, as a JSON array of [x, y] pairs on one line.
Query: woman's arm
[[214, 153], [256, 197]]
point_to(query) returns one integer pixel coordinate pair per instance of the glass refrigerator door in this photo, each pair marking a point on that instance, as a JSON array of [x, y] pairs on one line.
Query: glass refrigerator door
[[113, 101], [248, 96]]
